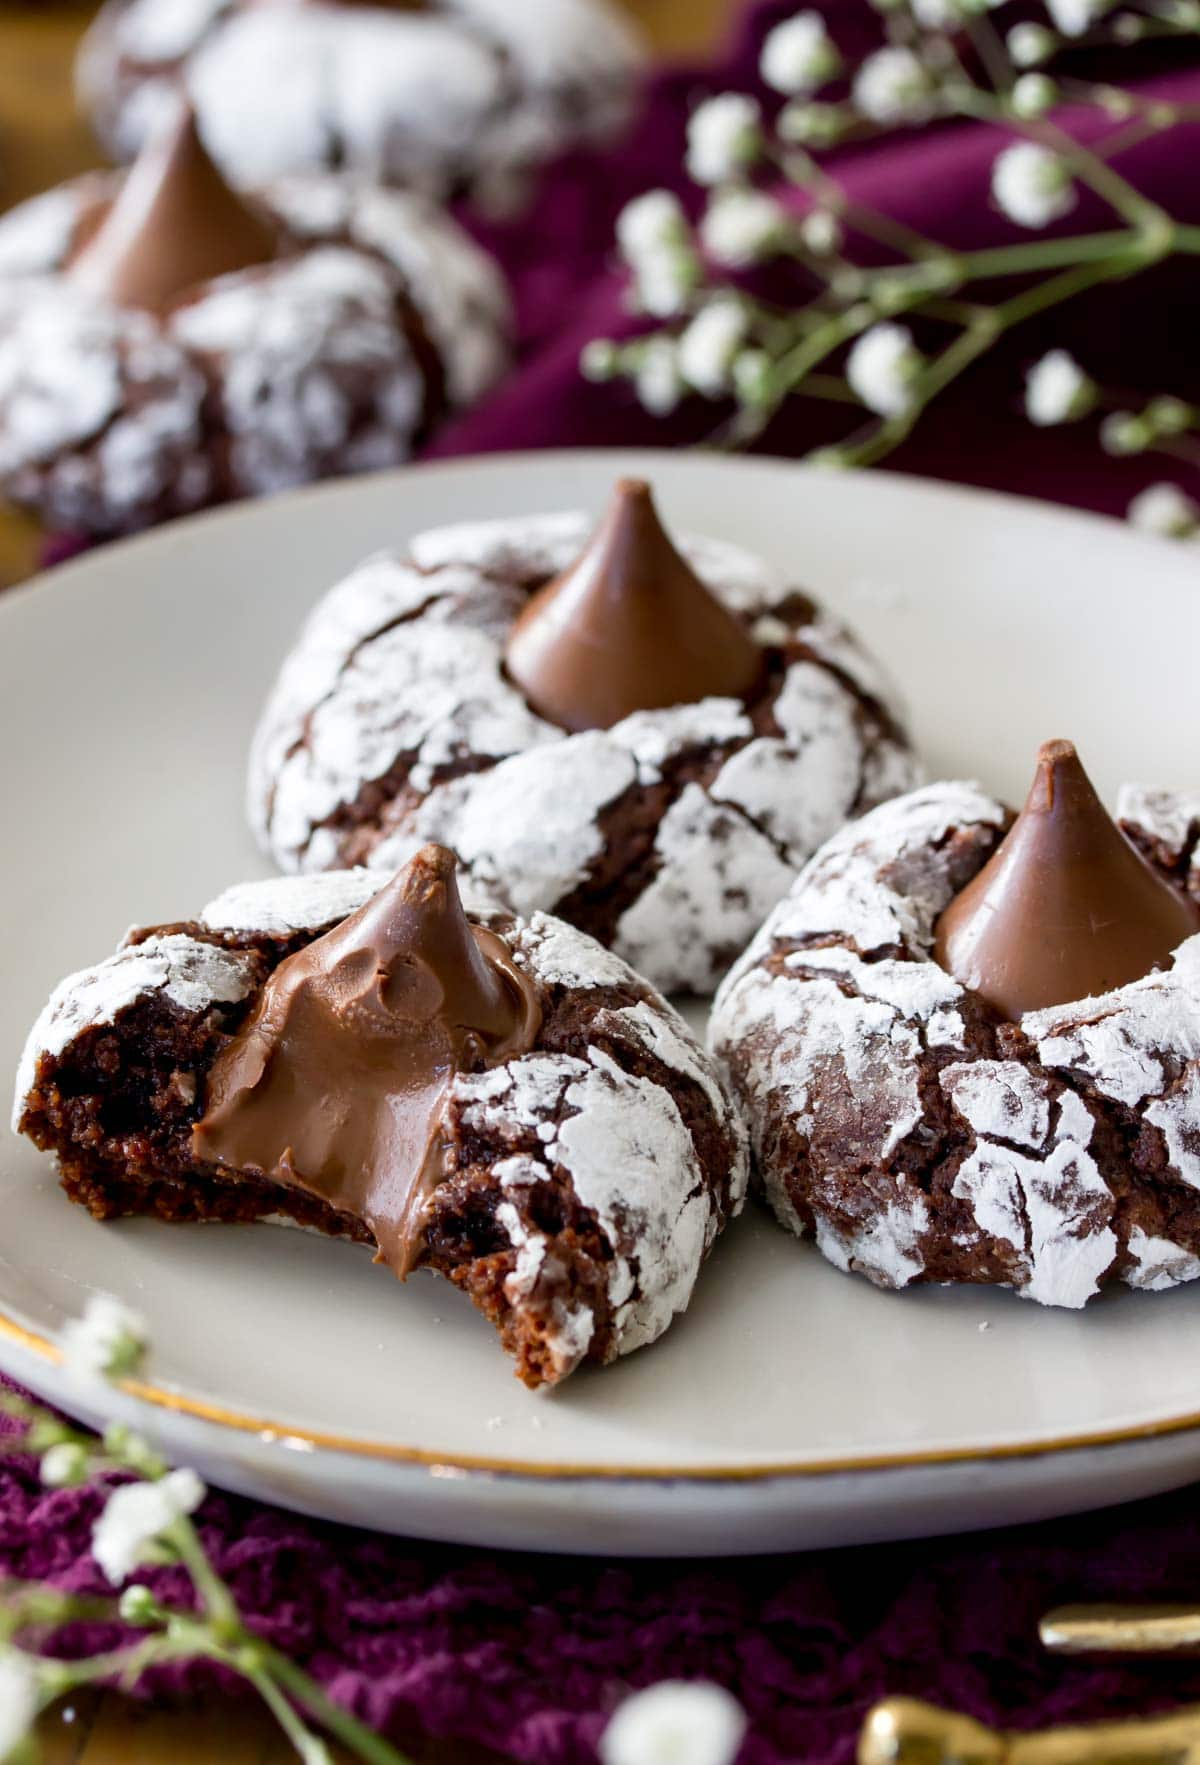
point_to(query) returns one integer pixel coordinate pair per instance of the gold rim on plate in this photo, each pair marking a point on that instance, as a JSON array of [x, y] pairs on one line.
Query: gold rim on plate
[[318, 1440]]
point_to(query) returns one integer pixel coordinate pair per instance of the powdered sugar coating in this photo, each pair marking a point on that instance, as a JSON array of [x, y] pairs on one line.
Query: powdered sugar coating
[[839, 1028], [607, 1120], [193, 975], [393, 719], [459, 94], [111, 418]]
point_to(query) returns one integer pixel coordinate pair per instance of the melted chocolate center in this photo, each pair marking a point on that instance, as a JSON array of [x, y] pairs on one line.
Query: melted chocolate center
[[1066, 907], [337, 1081], [628, 627], [173, 224]]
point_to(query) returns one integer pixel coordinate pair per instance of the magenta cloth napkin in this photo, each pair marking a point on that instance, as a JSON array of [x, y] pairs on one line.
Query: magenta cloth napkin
[[528, 1655]]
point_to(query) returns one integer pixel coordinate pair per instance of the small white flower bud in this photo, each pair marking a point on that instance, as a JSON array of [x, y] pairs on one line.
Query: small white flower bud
[[1033, 95], [1125, 433], [19, 1700], [883, 367], [709, 344], [1166, 510], [664, 281], [651, 223], [64, 1466], [799, 55], [724, 138], [107, 1342], [1169, 416], [696, 1723], [138, 1606], [1057, 390], [1029, 45], [892, 86], [821, 232], [812, 125], [1032, 185], [658, 383], [1074, 17], [599, 359], [742, 226], [753, 377]]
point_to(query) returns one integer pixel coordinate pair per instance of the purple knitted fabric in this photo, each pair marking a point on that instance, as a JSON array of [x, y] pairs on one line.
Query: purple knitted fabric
[[529, 1654]]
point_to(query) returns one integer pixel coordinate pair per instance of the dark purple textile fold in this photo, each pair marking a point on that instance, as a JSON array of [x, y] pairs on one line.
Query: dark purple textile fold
[[1137, 336], [528, 1655]]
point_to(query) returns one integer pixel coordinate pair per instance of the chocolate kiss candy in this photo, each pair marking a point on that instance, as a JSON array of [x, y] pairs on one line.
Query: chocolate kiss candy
[[1066, 907], [337, 1081], [628, 627], [174, 223]]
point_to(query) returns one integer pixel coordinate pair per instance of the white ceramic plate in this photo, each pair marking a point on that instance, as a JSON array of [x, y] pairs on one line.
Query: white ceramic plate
[[792, 1406]]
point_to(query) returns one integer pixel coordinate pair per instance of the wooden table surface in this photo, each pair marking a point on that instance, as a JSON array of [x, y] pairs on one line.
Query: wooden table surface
[[42, 139]]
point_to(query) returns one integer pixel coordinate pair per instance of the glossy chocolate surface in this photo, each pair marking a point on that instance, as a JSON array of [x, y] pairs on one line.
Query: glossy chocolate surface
[[1066, 907], [628, 627], [337, 1080]]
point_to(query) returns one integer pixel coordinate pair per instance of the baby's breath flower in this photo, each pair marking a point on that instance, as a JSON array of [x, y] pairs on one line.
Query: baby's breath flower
[[812, 125], [138, 1606], [64, 1466], [675, 1723], [799, 55], [882, 368], [664, 281], [1125, 433], [136, 1516], [753, 376], [651, 223], [18, 1700], [1057, 390], [938, 15], [1032, 185], [107, 1342], [600, 359], [892, 86], [657, 381], [1166, 510], [724, 138], [1074, 17], [1169, 416], [709, 343], [741, 226], [821, 232], [1029, 45], [1033, 95]]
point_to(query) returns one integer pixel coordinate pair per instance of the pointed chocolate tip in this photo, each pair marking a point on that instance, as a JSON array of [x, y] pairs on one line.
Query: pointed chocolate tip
[[1066, 908], [173, 224], [432, 867], [629, 626]]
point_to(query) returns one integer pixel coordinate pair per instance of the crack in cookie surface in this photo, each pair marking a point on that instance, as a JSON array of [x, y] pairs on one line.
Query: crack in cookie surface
[[668, 835], [920, 1136], [586, 1180]]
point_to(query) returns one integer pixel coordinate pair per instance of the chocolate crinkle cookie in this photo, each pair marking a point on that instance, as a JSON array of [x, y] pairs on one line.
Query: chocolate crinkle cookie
[[447, 96], [646, 740], [495, 1098], [166, 343], [915, 1099]]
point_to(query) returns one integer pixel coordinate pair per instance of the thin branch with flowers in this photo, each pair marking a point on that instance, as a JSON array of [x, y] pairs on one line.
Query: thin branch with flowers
[[852, 341]]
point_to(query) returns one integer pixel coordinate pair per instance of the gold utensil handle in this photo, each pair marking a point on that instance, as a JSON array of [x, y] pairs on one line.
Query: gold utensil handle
[[903, 1731], [1122, 1630]]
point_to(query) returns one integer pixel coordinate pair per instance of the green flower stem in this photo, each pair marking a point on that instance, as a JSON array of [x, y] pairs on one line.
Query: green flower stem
[[990, 50], [338, 1722], [219, 1605], [975, 340], [289, 1721], [802, 169]]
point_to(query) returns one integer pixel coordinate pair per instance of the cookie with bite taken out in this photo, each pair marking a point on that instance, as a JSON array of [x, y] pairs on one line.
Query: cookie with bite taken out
[[493, 1097]]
